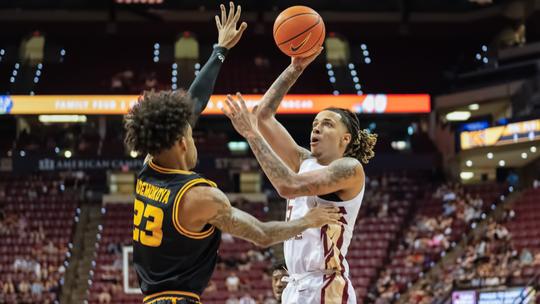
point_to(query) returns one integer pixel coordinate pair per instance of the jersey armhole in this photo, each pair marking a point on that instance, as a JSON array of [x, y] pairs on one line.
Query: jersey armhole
[[183, 231]]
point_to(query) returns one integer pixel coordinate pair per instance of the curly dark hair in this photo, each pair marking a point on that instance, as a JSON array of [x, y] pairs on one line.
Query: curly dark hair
[[362, 141], [157, 121]]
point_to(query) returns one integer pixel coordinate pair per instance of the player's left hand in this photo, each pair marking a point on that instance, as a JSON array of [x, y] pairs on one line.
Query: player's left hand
[[228, 35], [244, 121]]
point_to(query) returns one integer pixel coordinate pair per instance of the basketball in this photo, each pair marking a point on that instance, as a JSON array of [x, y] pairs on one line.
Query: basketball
[[299, 31]]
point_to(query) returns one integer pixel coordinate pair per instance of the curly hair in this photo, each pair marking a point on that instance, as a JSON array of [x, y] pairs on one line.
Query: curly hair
[[157, 121], [362, 142]]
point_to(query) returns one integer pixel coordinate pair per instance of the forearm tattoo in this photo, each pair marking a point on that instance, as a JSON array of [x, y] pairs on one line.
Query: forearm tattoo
[[281, 176], [273, 97], [245, 226]]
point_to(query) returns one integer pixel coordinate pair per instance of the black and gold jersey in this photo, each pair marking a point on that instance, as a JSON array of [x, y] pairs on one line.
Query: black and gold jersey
[[168, 258]]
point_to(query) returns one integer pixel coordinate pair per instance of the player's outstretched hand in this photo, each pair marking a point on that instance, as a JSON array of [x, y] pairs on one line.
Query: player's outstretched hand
[[244, 121], [320, 216], [228, 34], [302, 63]]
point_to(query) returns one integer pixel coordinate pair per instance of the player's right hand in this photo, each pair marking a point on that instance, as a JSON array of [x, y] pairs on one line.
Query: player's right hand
[[228, 35], [320, 216], [302, 63]]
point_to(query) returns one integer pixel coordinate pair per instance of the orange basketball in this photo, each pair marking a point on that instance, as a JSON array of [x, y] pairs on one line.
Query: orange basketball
[[299, 31]]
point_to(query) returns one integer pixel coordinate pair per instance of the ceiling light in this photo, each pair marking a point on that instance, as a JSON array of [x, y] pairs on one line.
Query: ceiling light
[[465, 175], [533, 149], [458, 116], [502, 163], [474, 107], [490, 155], [62, 118], [524, 155], [469, 163]]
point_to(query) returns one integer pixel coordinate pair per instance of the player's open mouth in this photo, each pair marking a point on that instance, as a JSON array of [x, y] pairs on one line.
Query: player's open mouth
[[314, 141]]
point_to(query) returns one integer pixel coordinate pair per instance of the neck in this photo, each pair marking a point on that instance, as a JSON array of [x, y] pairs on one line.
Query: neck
[[171, 160], [327, 160]]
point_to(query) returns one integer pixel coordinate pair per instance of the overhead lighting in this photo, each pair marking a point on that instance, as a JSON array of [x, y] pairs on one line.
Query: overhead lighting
[[489, 155], [458, 116], [469, 163], [502, 163], [399, 145], [524, 155], [237, 146], [67, 154], [533, 149], [474, 107], [133, 154], [62, 118], [466, 175]]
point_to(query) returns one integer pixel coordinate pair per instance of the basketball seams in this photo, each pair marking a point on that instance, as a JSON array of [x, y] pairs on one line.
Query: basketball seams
[[302, 33], [290, 17], [294, 38], [316, 41]]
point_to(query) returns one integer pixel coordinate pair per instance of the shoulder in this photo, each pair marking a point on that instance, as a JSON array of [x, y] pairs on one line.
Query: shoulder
[[347, 167], [205, 201], [203, 192], [347, 163]]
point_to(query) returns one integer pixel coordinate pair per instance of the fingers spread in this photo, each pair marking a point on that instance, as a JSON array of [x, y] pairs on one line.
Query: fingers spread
[[230, 16], [242, 102], [226, 111], [237, 14], [242, 28], [218, 23], [233, 104], [223, 15]]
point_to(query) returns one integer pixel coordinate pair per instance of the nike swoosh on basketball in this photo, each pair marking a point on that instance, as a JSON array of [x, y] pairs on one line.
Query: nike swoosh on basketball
[[294, 49]]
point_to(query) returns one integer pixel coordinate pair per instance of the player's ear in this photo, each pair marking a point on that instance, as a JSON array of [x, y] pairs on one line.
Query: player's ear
[[182, 143], [346, 139]]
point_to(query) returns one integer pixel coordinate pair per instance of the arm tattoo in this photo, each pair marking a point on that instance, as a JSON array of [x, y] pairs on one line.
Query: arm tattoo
[[281, 176], [338, 172], [243, 225], [274, 168], [273, 97]]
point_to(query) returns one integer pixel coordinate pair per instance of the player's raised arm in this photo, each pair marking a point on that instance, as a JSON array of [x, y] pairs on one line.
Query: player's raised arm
[[273, 131], [210, 205], [228, 36], [341, 174]]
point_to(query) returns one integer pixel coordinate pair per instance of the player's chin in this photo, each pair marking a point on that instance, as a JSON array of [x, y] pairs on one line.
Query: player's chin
[[315, 152]]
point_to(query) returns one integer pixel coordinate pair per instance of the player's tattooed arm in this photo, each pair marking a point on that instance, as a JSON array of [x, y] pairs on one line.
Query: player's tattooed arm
[[341, 174], [274, 95], [273, 131], [243, 225]]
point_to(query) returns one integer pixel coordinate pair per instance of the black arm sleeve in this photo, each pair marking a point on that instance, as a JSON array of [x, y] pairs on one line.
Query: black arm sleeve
[[202, 87]]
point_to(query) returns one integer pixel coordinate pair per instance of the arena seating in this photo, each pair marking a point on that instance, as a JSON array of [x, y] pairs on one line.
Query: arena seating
[[525, 231], [431, 232], [36, 224], [387, 204]]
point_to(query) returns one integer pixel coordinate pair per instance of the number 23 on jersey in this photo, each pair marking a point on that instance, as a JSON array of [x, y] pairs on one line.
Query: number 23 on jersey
[[152, 234]]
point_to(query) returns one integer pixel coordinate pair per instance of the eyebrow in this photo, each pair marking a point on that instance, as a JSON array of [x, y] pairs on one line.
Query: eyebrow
[[325, 119]]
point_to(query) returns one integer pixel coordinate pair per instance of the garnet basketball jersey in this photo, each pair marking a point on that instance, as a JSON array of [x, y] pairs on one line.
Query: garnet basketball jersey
[[323, 248]]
